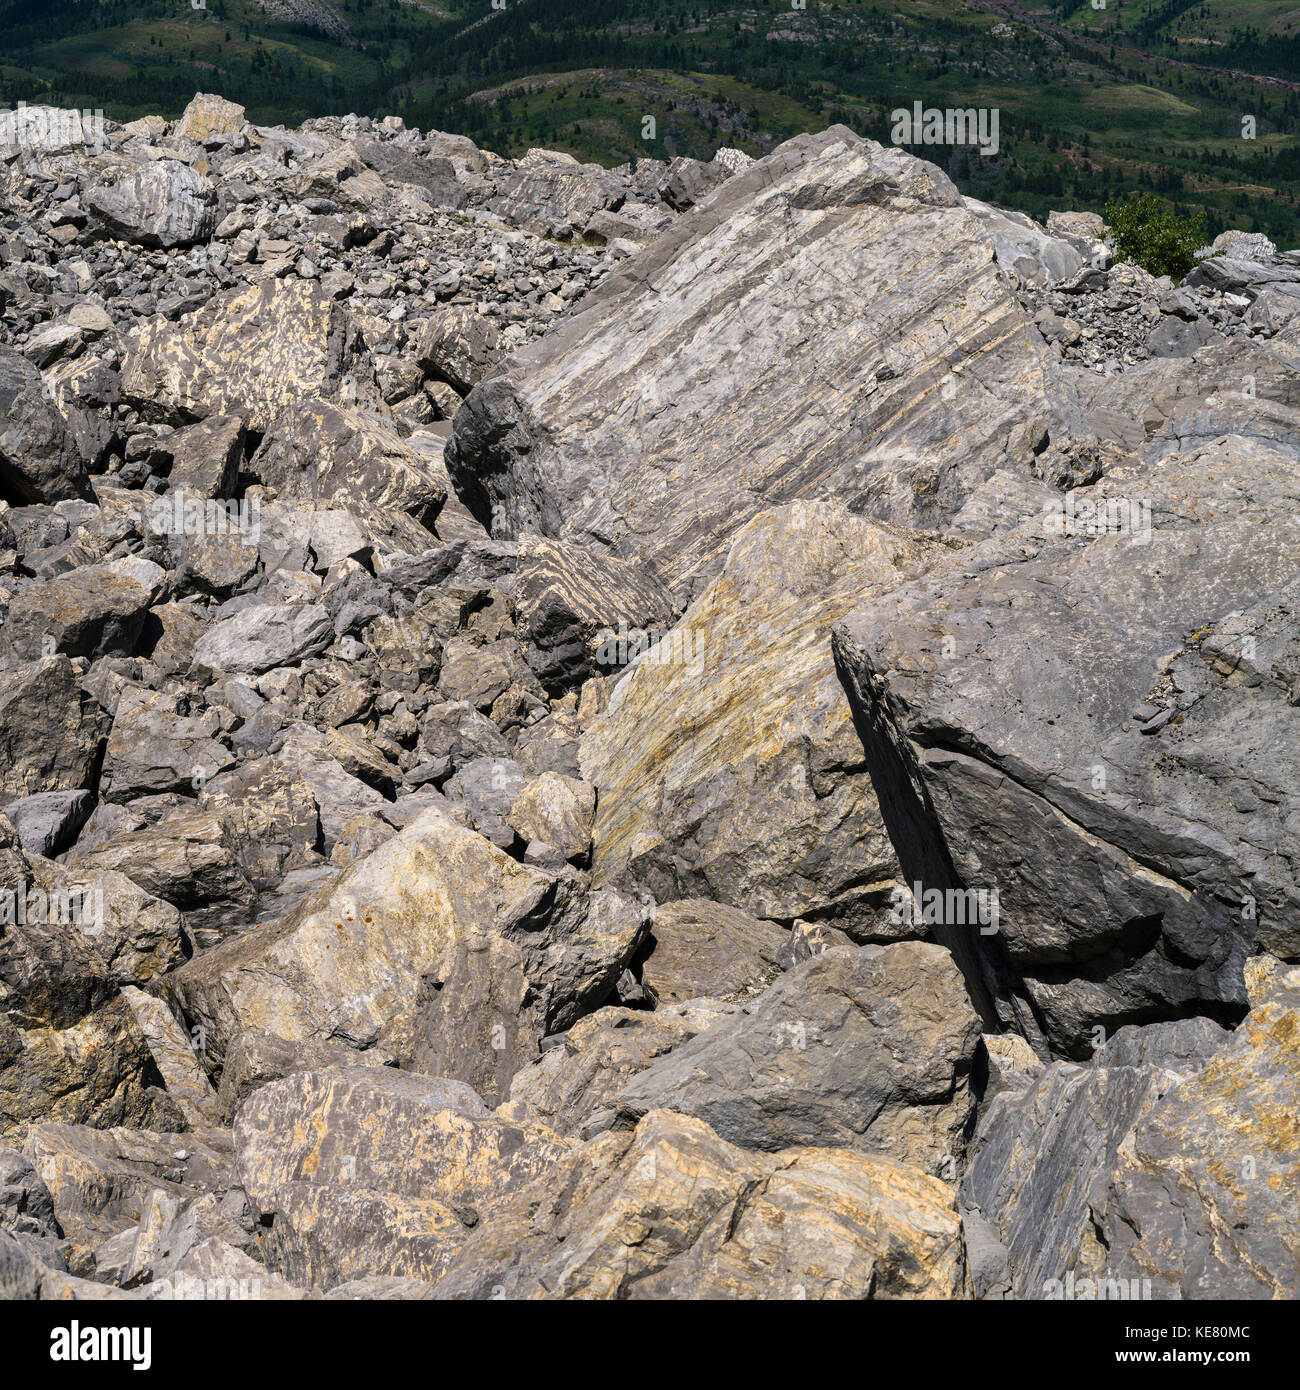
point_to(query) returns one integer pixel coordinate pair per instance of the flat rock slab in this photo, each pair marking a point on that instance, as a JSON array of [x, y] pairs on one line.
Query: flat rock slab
[[830, 322]]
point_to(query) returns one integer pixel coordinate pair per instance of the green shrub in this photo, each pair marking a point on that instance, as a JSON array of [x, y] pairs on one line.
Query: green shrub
[[1147, 233]]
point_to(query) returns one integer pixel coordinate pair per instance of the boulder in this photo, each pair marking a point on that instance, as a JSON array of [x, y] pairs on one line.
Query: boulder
[[322, 452], [574, 604], [598, 1056], [1044, 1153], [250, 352], [867, 1048], [263, 637], [209, 117], [457, 345], [1116, 774], [437, 947], [93, 611], [1201, 1201], [553, 194], [557, 811], [155, 747], [160, 204], [102, 1180], [672, 1211], [831, 324], [697, 947], [727, 764], [362, 1173], [49, 822], [51, 731], [206, 457], [39, 460]]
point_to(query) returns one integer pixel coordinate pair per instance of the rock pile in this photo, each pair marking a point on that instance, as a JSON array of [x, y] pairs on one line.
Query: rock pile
[[653, 733]]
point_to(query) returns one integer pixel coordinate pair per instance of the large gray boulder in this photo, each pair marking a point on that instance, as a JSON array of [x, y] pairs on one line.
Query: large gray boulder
[[1099, 729], [436, 947], [49, 822], [1164, 1169], [262, 637], [161, 204], [51, 731], [39, 460], [553, 194], [156, 747], [860, 1047], [698, 948], [1042, 1155], [1202, 1200], [830, 322], [727, 763], [598, 1056]]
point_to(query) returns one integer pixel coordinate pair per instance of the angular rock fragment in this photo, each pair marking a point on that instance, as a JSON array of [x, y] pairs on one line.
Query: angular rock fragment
[[262, 637], [249, 352], [51, 731], [372, 1173], [324, 452], [862, 1047], [727, 764], [39, 461], [671, 1211], [598, 1055], [574, 605], [96, 610], [160, 204], [698, 948], [436, 946]]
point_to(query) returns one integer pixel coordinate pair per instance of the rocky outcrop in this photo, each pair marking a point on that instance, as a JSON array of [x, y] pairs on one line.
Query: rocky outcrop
[[719, 729], [704, 346]]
